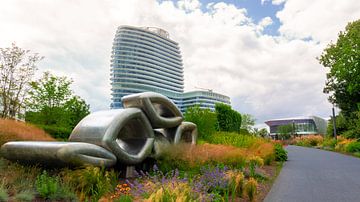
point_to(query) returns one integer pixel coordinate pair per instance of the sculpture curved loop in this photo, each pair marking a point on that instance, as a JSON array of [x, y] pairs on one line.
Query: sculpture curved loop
[[125, 132], [160, 110], [185, 132], [149, 123], [58, 153]]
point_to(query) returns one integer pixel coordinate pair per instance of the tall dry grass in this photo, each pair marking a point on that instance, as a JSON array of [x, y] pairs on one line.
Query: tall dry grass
[[11, 130], [186, 156]]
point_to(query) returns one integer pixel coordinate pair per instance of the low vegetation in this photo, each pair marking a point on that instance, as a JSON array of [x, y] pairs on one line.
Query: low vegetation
[[341, 144], [11, 130]]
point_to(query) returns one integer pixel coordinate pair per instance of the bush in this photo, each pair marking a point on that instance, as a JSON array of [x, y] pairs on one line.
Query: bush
[[251, 188], [57, 132], [26, 195], [228, 119], [205, 120], [51, 188], [92, 183], [47, 186], [280, 153], [329, 142], [3, 194], [353, 147], [234, 139]]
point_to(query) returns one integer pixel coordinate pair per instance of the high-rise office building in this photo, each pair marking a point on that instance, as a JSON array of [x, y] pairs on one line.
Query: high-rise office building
[[146, 59]]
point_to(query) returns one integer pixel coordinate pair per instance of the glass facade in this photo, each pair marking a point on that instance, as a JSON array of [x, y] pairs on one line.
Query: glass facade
[[146, 59], [301, 125]]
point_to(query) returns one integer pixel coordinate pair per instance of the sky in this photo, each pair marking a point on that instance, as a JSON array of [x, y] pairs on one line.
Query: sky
[[261, 53]]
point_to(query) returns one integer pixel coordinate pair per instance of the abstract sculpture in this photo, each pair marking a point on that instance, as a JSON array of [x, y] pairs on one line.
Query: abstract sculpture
[[149, 123]]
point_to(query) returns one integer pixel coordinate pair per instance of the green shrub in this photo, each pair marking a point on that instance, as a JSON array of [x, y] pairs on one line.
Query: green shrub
[[329, 142], [3, 194], [234, 139], [56, 131], [51, 188], [47, 186], [280, 153], [353, 147], [26, 195], [228, 119], [92, 182], [205, 120]]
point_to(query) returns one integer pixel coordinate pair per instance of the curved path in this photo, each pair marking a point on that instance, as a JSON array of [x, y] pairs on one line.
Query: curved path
[[316, 175]]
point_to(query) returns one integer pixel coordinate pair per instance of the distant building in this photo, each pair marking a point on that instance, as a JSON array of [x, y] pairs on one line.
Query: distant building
[[146, 59], [308, 125]]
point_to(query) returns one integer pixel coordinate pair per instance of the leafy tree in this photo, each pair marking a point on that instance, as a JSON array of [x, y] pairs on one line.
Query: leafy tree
[[229, 120], [17, 67], [205, 120], [260, 133], [341, 125], [52, 105], [285, 131], [343, 79], [247, 122]]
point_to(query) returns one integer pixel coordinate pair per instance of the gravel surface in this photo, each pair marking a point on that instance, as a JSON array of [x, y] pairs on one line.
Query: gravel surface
[[317, 175]]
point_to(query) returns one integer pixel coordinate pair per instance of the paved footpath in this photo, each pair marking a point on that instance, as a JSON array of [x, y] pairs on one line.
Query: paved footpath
[[317, 175]]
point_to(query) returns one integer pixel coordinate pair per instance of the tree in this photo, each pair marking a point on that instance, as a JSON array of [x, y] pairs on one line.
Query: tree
[[17, 67], [260, 133], [52, 103], [343, 60], [205, 120], [247, 122], [285, 131], [228, 119]]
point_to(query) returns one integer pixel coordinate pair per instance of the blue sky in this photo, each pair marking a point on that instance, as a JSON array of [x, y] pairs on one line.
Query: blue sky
[[268, 69], [257, 11]]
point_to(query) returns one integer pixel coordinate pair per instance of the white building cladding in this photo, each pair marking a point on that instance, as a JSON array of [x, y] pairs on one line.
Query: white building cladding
[[146, 59]]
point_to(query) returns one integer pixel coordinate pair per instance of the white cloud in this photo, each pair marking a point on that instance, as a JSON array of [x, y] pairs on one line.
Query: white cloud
[[321, 19], [189, 5], [264, 23], [278, 2], [222, 49]]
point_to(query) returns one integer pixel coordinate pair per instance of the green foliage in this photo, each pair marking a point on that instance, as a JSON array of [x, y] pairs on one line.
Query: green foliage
[[234, 139], [229, 120], [341, 125], [47, 186], [247, 122], [17, 67], [3, 194], [53, 105], [52, 188], [280, 153], [124, 198], [26, 195], [285, 131], [343, 79], [205, 120], [57, 132], [329, 143], [353, 147], [92, 182]]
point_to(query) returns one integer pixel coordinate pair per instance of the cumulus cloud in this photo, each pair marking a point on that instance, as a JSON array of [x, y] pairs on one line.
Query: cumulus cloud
[[222, 48]]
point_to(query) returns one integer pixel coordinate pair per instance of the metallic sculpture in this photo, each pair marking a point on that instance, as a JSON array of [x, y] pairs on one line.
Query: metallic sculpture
[[149, 123]]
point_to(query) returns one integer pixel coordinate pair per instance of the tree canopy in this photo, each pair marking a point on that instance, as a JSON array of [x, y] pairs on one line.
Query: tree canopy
[[229, 120], [51, 103], [17, 67], [343, 60]]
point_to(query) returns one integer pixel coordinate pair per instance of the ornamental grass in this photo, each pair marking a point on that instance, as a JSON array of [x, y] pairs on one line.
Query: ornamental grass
[[12, 130]]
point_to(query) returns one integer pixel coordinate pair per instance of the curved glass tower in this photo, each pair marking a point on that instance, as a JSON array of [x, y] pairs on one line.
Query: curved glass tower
[[146, 59]]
